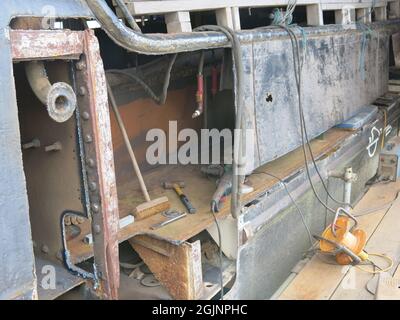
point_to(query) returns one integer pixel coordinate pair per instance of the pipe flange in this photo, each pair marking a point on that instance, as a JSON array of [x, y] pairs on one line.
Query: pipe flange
[[61, 102]]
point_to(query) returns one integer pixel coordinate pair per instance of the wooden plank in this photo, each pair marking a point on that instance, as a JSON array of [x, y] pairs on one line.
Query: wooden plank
[[178, 22], [180, 272], [384, 240], [154, 7], [319, 280], [380, 13], [351, 5], [363, 15], [199, 189], [394, 9], [314, 15], [388, 286], [394, 88], [345, 16], [228, 17]]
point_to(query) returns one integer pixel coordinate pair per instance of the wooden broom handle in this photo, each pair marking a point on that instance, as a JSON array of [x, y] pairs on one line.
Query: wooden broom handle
[[127, 143]]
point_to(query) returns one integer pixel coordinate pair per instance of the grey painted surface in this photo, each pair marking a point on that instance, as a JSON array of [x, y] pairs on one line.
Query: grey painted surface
[[17, 276], [16, 254], [333, 88]]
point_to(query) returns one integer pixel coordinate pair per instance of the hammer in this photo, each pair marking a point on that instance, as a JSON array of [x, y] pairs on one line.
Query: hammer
[[177, 187]]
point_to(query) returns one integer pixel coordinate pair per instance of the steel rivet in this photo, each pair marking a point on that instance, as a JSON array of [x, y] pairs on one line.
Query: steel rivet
[[85, 115], [82, 91], [95, 208], [93, 186], [90, 163], [45, 249], [96, 229], [88, 138], [80, 65]]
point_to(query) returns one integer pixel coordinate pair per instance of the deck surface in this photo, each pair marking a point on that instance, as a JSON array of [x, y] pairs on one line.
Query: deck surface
[[199, 189], [321, 281]]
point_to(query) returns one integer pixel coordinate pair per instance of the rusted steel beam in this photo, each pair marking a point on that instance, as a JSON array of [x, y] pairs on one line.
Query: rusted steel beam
[[93, 111], [44, 44], [104, 201]]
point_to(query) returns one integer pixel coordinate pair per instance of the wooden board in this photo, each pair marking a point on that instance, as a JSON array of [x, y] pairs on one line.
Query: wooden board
[[321, 281], [227, 11], [384, 240], [199, 190], [153, 7]]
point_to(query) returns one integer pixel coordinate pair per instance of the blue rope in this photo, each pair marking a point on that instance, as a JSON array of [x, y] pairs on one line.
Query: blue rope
[[366, 35], [279, 19]]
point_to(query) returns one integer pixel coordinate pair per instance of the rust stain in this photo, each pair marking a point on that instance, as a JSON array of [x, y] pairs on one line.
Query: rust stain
[[42, 44], [105, 160]]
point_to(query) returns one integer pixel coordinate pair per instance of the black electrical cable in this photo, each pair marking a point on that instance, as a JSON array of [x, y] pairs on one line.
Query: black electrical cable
[[128, 16], [236, 176], [298, 66], [297, 72], [167, 79], [239, 83], [301, 111], [293, 201]]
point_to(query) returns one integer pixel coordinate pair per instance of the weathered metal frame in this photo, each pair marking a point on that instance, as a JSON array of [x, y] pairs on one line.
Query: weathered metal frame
[[15, 240], [96, 134]]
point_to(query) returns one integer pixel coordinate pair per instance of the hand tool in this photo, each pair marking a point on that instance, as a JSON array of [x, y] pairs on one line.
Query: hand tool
[[151, 207], [167, 222], [224, 189], [177, 187]]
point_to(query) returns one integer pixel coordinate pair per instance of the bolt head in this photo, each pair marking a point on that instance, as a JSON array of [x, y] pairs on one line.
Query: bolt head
[[90, 163], [88, 138], [85, 115], [92, 186], [82, 91], [96, 229], [95, 208]]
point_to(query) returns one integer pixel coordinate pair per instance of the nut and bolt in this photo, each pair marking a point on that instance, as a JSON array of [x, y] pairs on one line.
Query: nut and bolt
[[57, 146], [35, 143]]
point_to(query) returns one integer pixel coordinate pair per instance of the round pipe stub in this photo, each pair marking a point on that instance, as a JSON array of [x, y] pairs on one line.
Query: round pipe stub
[[61, 102]]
